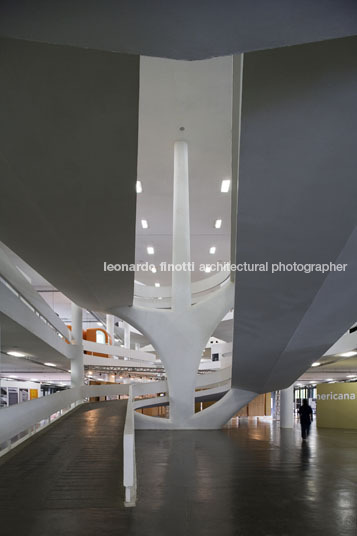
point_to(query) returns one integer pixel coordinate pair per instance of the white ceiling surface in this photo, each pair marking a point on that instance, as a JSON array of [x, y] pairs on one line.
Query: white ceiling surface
[[196, 96]]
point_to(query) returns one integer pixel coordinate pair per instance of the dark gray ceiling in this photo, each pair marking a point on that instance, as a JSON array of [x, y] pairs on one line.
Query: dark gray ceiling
[[297, 202], [16, 337], [68, 164], [183, 30]]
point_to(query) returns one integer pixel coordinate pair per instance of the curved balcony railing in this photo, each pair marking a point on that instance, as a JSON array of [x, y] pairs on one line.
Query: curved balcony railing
[[149, 296]]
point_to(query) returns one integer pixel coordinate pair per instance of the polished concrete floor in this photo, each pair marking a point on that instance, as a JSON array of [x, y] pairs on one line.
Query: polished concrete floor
[[250, 479]]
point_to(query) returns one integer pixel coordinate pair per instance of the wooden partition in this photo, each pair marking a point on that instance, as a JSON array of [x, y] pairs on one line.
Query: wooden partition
[[258, 407]]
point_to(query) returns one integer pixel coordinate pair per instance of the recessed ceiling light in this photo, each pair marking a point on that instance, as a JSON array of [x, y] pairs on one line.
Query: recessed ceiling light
[[12, 377], [226, 183], [34, 380], [157, 285], [150, 250], [212, 250], [159, 298], [329, 380], [316, 364], [14, 353], [144, 224], [90, 372], [348, 354], [207, 269], [99, 324], [49, 364], [153, 269], [218, 224], [351, 376], [139, 187]]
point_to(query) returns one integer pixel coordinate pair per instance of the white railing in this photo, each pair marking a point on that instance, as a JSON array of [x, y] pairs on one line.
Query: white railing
[[106, 390], [21, 421], [30, 417], [149, 296], [100, 348], [27, 418], [20, 287], [129, 461]]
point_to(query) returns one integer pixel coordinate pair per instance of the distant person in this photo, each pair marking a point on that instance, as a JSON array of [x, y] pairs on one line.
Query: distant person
[[306, 418]]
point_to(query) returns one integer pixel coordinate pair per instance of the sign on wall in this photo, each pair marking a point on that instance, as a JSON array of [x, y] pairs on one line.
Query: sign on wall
[[336, 405], [33, 394]]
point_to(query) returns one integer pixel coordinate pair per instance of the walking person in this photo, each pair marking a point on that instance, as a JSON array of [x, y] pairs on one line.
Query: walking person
[[306, 418]]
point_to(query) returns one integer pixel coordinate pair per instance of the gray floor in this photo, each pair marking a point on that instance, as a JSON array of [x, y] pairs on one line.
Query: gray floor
[[251, 480], [247, 480]]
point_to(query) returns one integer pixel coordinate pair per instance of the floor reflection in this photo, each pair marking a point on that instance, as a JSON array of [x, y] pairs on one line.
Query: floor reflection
[[250, 479]]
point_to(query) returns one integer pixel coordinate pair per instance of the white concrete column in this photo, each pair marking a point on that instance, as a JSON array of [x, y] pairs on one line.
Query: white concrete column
[[126, 335], [287, 407], [77, 367], [137, 346], [181, 281], [110, 326], [273, 409]]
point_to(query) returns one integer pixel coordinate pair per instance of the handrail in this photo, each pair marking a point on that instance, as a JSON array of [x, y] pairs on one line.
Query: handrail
[[106, 390], [154, 401], [149, 388], [213, 378], [15, 419], [129, 461], [25, 291], [21, 417], [113, 349], [25, 417], [161, 297], [14, 306], [97, 361]]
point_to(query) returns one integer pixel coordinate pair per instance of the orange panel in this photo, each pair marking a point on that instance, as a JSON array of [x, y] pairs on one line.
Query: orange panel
[[91, 335]]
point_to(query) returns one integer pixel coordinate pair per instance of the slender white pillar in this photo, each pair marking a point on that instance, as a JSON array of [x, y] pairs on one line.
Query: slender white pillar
[[137, 346], [287, 407], [77, 367], [126, 335], [110, 326], [273, 409], [181, 280]]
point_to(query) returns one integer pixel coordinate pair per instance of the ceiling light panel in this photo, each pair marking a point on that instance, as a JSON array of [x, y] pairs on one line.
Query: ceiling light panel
[[218, 224], [15, 353], [225, 186], [348, 354]]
